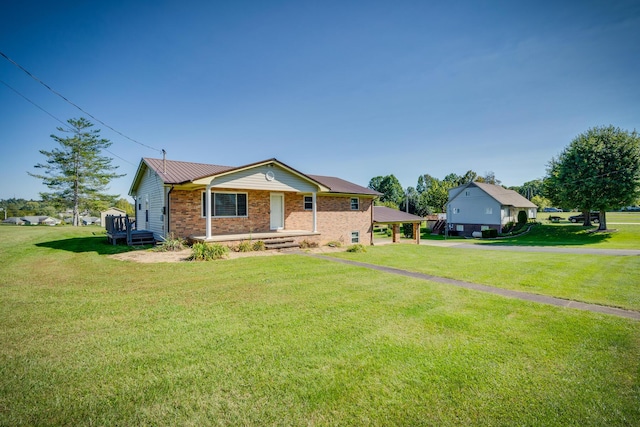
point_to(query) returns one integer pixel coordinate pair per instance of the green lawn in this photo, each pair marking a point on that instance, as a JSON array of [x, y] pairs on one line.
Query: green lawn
[[290, 340]]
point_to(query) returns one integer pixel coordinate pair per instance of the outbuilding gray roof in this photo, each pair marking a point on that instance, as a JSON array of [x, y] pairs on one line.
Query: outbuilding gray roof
[[383, 214], [504, 196]]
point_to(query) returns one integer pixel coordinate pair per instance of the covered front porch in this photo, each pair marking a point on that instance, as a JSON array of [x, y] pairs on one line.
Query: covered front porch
[[278, 239]]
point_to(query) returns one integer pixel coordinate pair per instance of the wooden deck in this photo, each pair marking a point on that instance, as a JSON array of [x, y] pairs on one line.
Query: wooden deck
[[123, 228]]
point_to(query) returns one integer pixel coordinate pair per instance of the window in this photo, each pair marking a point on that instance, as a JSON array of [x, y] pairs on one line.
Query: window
[[467, 193], [456, 210], [308, 203], [459, 227], [355, 204], [226, 204], [488, 211], [484, 227], [355, 237]]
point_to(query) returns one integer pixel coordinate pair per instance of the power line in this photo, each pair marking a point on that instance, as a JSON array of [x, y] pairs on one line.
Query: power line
[[57, 119], [35, 105], [72, 103]]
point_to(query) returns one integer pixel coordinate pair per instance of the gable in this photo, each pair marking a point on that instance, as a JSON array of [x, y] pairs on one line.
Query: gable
[[500, 194], [270, 177]]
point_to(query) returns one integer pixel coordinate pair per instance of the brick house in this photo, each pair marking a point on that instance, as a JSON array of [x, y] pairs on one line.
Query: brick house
[[249, 202]]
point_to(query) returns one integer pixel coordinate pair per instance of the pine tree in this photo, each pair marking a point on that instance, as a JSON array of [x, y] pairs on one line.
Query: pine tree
[[76, 172]]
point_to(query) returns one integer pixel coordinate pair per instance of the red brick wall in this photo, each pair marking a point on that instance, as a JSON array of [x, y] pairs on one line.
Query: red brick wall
[[335, 219], [186, 215]]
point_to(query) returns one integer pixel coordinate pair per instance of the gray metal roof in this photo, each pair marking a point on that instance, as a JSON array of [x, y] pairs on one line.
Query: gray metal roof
[[504, 196], [383, 214]]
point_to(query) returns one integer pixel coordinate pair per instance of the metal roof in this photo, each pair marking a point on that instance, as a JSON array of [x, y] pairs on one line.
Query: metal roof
[[178, 172], [504, 196], [384, 214], [338, 185]]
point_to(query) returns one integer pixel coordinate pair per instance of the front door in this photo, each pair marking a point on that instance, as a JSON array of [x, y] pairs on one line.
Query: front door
[[277, 211]]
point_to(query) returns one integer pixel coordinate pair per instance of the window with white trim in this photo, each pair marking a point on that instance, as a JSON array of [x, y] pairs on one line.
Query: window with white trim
[[226, 205], [488, 211], [456, 210], [308, 203], [459, 227], [355, 237], [355, 204]]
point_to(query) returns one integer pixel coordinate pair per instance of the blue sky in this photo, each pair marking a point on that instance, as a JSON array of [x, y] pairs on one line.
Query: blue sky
[[353, 89]]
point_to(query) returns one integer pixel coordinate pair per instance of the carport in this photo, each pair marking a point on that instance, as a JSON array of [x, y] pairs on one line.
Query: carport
[[387, 216]]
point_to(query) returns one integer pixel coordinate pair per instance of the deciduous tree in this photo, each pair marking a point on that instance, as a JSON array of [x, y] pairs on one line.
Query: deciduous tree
[[598, 170], [390, 188]]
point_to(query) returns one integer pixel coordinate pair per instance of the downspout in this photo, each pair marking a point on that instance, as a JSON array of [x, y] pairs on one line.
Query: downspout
[[168, 206], [208, 208], [315, 212], [373, 200]]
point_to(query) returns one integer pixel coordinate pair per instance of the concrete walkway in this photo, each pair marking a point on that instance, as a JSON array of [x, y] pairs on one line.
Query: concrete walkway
[[548, 249], [490, 289]]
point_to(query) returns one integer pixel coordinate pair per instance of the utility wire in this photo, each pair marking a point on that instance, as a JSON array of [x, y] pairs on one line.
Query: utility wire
[[75, 105], [55, 118]]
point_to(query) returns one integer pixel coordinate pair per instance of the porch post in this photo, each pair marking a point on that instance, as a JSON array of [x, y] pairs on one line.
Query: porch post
[[315, 213], [208, 208]]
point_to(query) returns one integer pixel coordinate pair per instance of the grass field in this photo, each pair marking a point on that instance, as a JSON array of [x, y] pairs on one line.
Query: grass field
[[290, 340]]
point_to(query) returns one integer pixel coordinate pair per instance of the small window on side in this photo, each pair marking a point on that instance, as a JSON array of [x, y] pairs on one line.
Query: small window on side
[[355, 204], [355, 237], [308, 203], [459, 227]]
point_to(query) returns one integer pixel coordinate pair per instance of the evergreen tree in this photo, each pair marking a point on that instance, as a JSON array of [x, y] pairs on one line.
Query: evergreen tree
[[76, 172]]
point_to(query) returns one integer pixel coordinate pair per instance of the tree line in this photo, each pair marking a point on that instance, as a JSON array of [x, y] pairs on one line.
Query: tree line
[[598, 171], [16, 207]]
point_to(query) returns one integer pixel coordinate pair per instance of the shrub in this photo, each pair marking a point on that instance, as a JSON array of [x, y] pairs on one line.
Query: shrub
[[522, 217], [407, 230], [305, 244], [259, 246], [508, 227], [206, 252], [334, 244], [389, 232], [356, 248], [171, 244], [245, 246], [489, 233]]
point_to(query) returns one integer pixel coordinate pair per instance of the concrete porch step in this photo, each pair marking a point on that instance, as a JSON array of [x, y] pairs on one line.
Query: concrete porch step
[[282, 246], [280, 243]]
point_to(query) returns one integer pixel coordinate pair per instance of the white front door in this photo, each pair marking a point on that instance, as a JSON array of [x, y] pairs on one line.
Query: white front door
[[277, 211]]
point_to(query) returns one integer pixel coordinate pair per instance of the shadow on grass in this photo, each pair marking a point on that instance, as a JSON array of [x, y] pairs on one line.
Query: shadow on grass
[[555, 235], [97, 244]]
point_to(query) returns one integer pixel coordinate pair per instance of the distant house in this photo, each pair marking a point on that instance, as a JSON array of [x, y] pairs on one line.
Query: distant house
[[265, 199], [90, 220], [13, 220], [111, 211], [39, 220], [478, 206]]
